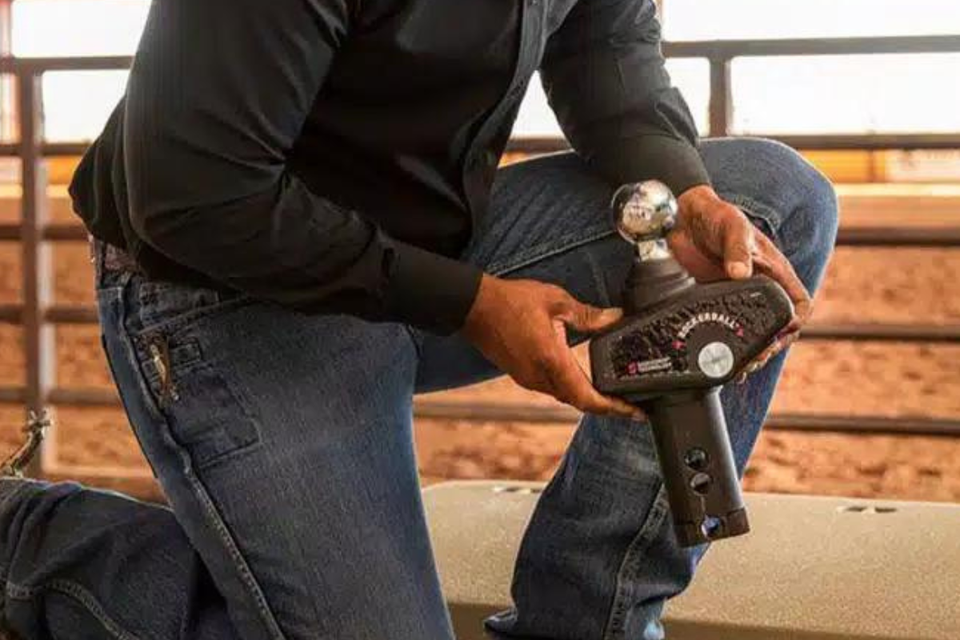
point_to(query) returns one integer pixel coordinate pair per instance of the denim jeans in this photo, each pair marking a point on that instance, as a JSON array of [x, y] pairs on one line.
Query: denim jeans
[[284, 444]]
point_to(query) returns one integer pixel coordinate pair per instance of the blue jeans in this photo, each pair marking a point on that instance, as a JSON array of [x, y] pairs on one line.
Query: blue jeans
[[284, 445]]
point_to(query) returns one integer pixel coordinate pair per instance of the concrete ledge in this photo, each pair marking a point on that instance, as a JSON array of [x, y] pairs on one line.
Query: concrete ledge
[[814, 568]]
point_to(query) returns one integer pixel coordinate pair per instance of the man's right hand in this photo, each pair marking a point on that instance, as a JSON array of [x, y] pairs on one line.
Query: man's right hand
[[521, 327]]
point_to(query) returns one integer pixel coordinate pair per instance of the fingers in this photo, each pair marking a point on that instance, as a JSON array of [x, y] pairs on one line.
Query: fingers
[[761, 360], [521, 327], [584, 317], [772, 262], [780, 344], [738, 246], [570, 384]]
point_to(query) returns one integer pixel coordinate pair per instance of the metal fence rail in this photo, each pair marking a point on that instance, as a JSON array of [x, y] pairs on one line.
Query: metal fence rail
[[558, 414], [38, 314], [721, 54]]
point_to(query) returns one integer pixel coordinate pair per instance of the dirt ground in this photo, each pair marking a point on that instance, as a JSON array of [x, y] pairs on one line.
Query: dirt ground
[[863, 285]]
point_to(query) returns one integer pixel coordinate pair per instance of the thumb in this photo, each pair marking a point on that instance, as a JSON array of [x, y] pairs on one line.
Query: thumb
[[589, 319], [738, 245]]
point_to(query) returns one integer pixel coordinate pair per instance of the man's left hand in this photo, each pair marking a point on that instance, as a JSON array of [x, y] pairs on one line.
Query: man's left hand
[[714, 240]]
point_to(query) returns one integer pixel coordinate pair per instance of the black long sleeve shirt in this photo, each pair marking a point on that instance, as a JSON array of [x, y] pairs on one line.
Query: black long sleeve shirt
[[332, 155]]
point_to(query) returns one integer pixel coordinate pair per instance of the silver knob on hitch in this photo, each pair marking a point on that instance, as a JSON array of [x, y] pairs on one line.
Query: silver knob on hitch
[[644, 213]]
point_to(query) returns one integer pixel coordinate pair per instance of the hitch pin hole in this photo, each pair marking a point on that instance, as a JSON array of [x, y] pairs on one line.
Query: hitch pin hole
[[711, 527]]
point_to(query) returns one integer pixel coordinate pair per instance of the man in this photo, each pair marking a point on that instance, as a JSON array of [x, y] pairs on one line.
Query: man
[[300, 224]]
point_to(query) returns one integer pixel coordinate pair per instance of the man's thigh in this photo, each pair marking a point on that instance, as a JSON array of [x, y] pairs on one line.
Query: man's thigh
[[550, 220], [284, 445]]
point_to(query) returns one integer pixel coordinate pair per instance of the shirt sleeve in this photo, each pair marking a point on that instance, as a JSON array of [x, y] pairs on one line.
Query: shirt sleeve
[[605, 78], [217, 96]]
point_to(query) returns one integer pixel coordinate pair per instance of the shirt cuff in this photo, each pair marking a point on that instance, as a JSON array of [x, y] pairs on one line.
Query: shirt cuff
[[675, 162], [431, 291]]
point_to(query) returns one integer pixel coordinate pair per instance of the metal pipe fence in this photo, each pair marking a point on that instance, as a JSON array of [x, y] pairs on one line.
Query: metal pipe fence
[[38, 314]]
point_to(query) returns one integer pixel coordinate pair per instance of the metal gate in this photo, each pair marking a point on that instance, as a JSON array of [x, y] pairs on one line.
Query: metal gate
[[38, 314]]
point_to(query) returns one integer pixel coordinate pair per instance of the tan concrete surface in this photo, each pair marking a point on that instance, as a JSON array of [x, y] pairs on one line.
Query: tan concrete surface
[[813, 568]]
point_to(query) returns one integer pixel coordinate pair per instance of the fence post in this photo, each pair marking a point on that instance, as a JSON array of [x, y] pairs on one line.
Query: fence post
[[7, 104], [38, 337], [721, 97]]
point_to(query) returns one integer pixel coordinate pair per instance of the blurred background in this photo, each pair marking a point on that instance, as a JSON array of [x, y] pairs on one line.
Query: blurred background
[[868, 90]]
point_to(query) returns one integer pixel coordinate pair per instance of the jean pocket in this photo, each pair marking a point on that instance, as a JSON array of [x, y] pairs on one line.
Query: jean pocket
[[204, 413]]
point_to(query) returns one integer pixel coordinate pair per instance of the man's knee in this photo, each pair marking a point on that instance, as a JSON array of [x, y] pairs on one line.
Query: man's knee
[[795, 200], [809, 194], [809, 231]]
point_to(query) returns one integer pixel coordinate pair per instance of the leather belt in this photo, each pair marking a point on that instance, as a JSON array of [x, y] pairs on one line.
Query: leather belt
[[113, 258]]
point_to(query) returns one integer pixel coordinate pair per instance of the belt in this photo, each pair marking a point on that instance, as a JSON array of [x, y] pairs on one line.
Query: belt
[[113, 258]]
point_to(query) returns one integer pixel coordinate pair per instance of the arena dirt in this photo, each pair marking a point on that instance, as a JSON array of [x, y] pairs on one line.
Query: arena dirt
[[864, 285]]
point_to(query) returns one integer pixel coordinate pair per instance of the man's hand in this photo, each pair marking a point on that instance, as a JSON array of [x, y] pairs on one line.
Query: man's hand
[[714, 240], [521, 326]]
